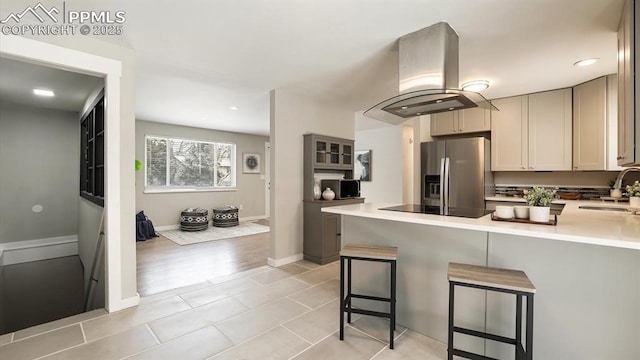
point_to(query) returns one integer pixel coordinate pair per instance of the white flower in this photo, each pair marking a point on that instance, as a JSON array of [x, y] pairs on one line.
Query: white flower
[[634, 190]]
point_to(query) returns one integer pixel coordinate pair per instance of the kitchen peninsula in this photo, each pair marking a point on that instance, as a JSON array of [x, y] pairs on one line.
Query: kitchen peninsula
[[586, 271]]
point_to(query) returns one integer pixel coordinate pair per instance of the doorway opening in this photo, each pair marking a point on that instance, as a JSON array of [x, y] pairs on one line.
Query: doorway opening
[[48, 232]]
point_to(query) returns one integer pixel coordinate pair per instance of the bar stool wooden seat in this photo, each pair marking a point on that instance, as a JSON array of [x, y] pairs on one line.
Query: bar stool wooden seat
[[499, 280], [386, 254]]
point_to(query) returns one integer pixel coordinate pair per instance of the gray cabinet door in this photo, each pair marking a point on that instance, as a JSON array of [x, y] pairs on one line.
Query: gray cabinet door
[[331, 235]]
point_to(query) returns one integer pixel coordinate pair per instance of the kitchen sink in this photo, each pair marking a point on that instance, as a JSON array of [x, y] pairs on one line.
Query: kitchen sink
[[604, 208]]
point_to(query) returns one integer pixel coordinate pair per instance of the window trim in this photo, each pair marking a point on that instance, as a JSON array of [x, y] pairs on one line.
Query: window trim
[[156, 189]]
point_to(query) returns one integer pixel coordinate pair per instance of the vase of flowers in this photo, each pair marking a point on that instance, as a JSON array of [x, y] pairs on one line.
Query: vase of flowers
[[634, 194], [540, 201]]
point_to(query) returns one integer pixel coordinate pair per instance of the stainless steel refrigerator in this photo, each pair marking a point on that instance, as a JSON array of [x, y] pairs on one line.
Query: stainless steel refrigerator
[[456, 173]]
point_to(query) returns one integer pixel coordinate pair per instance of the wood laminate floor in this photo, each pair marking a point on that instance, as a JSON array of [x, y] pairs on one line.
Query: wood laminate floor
[[163, 265]]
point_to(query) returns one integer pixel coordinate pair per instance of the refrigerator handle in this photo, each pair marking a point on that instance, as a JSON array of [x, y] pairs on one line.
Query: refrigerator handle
[[446, 185], [442, 177]]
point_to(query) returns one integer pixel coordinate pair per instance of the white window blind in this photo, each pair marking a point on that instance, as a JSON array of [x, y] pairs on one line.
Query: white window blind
[[175, 164]]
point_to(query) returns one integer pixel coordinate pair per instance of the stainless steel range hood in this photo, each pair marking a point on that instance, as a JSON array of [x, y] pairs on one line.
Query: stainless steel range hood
[[428, 73]]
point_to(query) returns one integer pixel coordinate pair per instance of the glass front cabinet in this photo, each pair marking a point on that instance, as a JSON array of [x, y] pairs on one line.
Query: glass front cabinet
[[332, 153]]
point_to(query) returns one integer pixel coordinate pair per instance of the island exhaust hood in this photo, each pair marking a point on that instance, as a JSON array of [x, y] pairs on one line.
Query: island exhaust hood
[[428, 73]]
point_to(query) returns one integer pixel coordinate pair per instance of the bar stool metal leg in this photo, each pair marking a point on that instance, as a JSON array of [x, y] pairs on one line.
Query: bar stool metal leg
[[530, 327], [392, 323], [518, 326], [349, 290], [450, 338], [341, 299]]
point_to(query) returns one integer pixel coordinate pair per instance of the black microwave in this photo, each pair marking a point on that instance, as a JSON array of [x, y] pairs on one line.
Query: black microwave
[[344, 189]]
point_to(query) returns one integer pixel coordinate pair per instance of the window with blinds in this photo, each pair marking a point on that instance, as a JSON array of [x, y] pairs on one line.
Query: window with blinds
[[185, 164]]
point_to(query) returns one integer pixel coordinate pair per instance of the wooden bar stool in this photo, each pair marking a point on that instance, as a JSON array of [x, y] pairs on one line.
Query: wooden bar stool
[[499, 280], [386, 254]]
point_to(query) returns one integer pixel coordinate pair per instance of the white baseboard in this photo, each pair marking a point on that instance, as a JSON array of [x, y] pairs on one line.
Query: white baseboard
[[124, 303], [177, 226], [284, 261], [39, 249], [252, 218]]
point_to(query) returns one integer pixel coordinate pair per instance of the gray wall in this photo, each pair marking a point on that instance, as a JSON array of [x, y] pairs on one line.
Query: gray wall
[[39, 165], [164, 208], [386, 164], [292, 115]]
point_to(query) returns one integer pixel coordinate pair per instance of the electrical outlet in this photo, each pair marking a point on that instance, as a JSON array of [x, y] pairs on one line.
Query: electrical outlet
[[240, 207]]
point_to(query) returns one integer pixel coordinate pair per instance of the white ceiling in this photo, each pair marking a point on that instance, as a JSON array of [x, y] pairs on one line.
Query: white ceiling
[[18, 79], [196, 59]]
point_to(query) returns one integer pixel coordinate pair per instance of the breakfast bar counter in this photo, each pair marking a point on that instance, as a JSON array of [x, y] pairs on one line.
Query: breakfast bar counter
[[586, 271], [607, 228]]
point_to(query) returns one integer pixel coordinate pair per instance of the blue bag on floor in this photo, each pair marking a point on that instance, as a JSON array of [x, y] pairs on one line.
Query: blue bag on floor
[[144, 227]]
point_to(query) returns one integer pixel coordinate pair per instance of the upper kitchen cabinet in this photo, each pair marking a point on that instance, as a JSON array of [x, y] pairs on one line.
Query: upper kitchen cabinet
[[330, 153], [461, 122], [444, 123], [510, 134], [589, 125], [595, 125], [474, 120], [628, 98], [550, 117], [532, 132]]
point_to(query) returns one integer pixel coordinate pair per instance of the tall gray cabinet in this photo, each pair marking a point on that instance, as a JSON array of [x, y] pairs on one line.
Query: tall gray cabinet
[[322, 232]]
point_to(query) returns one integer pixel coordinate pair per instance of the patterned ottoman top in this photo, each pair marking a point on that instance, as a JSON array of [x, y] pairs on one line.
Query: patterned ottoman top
[[196, 210], [225, 208]]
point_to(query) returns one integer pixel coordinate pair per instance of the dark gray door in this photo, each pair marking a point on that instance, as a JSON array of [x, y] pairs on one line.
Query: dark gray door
[[466, 173]]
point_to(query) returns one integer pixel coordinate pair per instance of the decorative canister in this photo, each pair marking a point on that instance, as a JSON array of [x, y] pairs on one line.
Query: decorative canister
[[317, 192], [328, 194]]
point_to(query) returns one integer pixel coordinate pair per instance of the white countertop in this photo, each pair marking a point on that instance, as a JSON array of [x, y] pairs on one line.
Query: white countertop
[[607, 228]]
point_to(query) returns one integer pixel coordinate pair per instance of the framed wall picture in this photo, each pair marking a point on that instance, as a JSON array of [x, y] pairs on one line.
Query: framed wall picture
[[251, 163], [362, 168]]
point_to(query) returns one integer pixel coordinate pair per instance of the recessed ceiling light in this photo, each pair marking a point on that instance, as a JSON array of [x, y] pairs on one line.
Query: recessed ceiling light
[[43, 92], [234, 108], [475, 85], [586, 62]]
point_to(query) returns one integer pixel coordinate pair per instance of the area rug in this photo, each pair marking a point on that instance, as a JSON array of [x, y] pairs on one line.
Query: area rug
[[213, 233]]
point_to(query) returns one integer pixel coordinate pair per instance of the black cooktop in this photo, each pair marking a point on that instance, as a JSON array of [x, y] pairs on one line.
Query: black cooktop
[[435, 210]]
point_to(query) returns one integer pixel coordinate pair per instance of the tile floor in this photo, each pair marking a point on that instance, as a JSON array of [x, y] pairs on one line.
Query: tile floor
[[289, 312]]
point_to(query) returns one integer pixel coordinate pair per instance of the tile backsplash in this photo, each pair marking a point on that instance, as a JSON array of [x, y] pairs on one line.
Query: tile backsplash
[[587, 192], [591, 185]]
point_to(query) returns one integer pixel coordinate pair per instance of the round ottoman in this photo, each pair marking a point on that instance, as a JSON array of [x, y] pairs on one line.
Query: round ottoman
[[225, 216], [194, 219]]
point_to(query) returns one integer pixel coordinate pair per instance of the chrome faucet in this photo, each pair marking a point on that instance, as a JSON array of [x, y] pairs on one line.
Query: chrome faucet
[[618, 183]]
